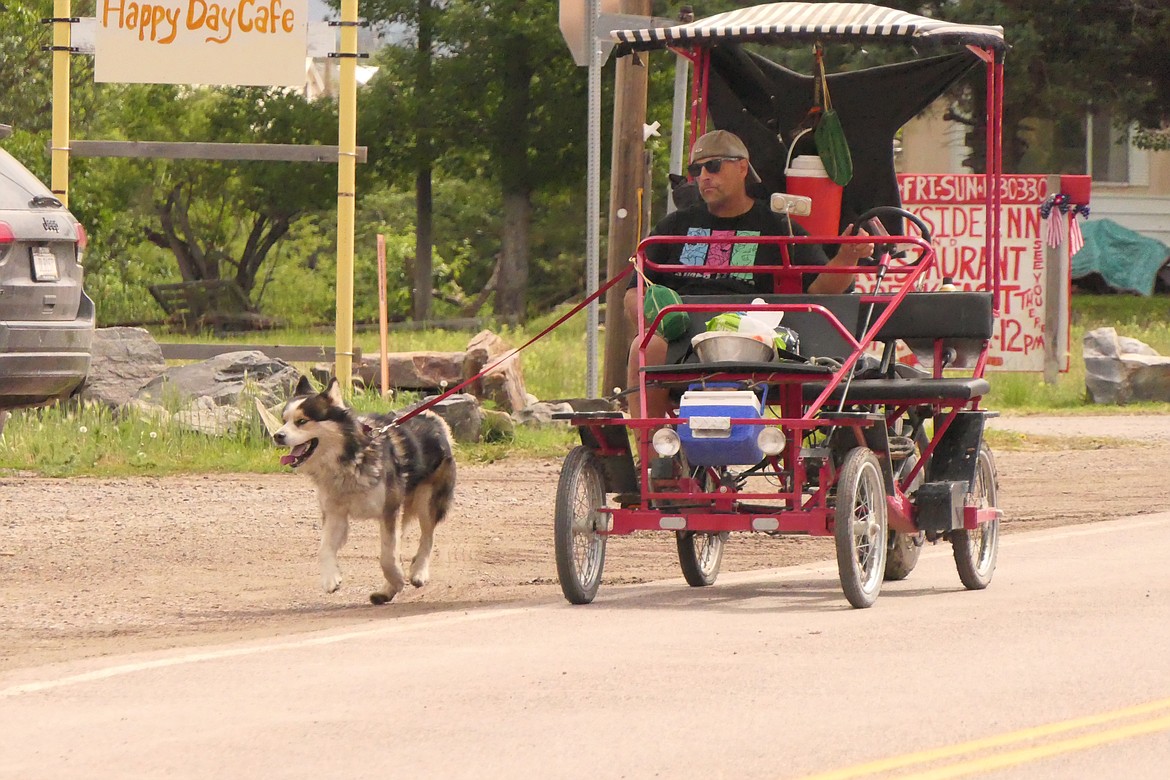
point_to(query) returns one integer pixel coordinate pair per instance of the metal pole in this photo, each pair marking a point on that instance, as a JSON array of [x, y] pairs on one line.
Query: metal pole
[[678, 123], [62, 37], [346, 186], [1054, 272], [383, 318], [593, 196]]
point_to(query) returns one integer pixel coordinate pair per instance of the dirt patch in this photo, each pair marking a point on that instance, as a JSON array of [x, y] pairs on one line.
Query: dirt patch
[[99, 567]]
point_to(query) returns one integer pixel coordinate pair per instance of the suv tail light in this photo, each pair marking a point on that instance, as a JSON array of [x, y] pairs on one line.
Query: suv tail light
[[7, 238]]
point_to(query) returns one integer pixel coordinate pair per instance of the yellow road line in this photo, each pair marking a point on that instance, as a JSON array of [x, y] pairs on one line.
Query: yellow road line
[[1025, 755], [1001, 740]]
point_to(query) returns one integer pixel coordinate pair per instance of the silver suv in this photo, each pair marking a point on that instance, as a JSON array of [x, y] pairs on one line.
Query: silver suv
[[46, 319]]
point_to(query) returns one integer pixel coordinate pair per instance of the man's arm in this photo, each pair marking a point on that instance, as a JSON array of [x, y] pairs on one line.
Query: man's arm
[[847, 255]]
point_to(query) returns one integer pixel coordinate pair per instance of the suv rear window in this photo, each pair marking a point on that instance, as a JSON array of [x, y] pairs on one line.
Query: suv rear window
[[17, 185]]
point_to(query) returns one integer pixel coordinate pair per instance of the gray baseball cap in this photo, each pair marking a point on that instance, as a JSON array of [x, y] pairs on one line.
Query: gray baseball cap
[[722, 143]]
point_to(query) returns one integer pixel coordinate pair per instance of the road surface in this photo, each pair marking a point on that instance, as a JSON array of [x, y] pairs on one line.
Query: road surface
[[1058, 670]]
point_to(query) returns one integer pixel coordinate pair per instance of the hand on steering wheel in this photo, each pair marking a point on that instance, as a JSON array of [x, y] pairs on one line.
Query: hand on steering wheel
[[880, 211]]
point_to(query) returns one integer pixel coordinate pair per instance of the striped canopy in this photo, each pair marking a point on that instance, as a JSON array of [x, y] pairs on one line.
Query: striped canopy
[[777, 22]]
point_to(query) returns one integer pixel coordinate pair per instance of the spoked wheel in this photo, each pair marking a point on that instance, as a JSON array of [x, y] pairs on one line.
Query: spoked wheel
[[580, 550], [699, 555], [904, 550], [976, 551], [861, 527]]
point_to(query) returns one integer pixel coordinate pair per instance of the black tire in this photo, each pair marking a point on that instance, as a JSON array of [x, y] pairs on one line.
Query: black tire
[[976, 551], [580, 550], [861, 527], [905, 549], [699, 556]]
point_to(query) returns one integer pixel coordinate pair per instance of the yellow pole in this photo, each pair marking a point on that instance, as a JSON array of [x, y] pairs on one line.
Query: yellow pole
[[62, 38], [346, 186]]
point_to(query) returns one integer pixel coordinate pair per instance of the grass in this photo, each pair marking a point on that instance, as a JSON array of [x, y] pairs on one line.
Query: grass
[[69, 440]]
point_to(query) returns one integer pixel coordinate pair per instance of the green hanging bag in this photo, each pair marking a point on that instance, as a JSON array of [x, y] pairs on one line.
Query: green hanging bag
[[675, 324], [832, 147]]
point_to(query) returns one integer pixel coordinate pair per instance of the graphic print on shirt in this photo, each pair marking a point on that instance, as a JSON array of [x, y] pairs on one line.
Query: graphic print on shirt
[[720, 255]]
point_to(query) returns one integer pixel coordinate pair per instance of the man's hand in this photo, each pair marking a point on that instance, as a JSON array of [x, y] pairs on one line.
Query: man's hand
[[851, 254]]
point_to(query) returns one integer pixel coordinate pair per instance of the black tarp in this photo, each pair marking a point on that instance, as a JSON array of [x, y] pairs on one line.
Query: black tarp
[[761, 101]]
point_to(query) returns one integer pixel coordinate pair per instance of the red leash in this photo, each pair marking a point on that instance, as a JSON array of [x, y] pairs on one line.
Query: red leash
[[509, 355]]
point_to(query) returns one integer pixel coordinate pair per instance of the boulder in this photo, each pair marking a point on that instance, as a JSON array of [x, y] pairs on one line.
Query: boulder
[[498, 426], [124, 360], [462, 414], [541, 413], [204, 415], [1120, 370], [504, 384], [413, 370], [226, 379]]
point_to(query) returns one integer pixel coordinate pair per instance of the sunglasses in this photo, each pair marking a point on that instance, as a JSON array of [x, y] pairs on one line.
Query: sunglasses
[[712, 166]]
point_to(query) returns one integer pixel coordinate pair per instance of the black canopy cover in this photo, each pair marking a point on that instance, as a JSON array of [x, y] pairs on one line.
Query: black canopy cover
[[764, 103]]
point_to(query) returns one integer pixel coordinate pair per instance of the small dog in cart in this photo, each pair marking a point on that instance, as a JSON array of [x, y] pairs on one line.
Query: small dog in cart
[[363, 466]]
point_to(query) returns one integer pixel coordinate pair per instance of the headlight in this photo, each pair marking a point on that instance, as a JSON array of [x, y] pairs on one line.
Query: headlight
[[666, 442], [771, 440]]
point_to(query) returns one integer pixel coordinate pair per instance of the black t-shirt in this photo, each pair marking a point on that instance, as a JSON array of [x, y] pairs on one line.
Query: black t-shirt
[[760, 220]]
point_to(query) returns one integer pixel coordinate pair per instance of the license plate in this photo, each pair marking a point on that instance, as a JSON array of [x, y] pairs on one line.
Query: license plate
[[44, 265], [711, 425]]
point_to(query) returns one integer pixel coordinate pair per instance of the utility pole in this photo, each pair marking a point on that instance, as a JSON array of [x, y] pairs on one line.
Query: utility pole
[[627, 180]]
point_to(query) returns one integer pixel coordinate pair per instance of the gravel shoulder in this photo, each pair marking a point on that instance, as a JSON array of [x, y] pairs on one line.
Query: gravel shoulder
[[96, 567]]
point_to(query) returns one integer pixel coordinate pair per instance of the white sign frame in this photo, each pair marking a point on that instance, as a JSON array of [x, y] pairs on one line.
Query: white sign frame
[[229, 42]]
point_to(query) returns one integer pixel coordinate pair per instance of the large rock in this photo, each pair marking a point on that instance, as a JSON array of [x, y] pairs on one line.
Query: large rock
[[124, 361], [228, 380], [541, 413], [413, 370], [1120, 370], [462, 414], [504, 384]]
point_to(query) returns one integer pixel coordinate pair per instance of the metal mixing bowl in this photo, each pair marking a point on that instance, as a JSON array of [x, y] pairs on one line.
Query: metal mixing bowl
[[719, 346]]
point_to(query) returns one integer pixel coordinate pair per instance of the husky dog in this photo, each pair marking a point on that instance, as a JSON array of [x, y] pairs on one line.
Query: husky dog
[[363, 467]]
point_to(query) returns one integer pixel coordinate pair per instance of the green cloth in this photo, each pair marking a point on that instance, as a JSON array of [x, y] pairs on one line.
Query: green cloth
[[675, 324], [1126, 260]]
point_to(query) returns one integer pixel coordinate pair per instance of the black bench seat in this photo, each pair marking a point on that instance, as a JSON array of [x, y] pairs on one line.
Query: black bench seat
[[899, 389]]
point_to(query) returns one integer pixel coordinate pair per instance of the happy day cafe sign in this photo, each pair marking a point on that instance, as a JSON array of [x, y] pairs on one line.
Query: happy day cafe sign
[[241, 42]]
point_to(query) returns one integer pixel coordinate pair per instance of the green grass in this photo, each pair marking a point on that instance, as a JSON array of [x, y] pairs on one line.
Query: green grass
[[68, 440], [1146, 319]]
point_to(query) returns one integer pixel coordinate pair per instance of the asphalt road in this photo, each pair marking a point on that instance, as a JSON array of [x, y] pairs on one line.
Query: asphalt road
[[1058, 670]]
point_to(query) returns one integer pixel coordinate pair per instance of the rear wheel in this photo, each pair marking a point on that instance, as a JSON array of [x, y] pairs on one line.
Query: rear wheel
[[904, 550], [861, 528], [580, 549], [976, 551]]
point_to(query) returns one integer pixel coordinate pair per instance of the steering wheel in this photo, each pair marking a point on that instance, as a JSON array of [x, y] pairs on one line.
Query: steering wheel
[[894, 211]]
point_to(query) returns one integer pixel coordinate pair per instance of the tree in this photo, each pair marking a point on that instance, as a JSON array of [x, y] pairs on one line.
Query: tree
[[506, 102], [1069, 56], [417, 98], [221, 220]]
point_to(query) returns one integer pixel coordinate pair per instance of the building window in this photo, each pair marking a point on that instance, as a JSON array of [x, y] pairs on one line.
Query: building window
[[1110, 155]]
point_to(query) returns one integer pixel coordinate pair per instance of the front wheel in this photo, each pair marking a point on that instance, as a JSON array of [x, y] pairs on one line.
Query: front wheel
[[976, 551], [699, 556], [580, 549], [860, 532]]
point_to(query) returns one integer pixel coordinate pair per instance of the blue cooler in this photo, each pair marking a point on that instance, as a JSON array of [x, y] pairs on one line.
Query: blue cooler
[[707, 435]]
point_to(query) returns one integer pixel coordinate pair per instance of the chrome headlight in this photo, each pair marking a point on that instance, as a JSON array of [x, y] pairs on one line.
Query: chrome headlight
[[666, 442], [771, 440]]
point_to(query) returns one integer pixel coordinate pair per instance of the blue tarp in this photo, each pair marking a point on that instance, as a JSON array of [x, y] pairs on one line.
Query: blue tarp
[[1126, 260]]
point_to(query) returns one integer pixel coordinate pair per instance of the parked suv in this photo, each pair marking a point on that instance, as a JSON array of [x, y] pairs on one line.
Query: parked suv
[[46, 319]]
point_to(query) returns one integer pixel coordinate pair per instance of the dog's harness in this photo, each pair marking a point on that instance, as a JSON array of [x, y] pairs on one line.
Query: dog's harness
[[506, 357]]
